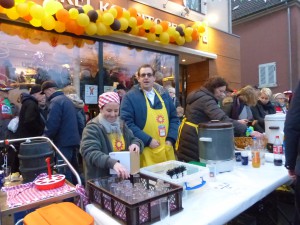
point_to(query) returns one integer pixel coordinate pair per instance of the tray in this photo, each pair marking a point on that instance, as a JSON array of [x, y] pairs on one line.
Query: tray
[[193, 173], [145, 211]]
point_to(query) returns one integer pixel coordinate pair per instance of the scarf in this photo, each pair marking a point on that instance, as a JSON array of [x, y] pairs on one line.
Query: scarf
[[110, 128]]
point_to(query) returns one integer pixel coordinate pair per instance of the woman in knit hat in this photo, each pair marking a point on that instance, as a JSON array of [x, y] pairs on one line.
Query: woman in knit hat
[[280, 102], [104, 134]]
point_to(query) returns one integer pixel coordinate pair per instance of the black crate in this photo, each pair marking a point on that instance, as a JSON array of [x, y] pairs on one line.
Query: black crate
[[142, 212]]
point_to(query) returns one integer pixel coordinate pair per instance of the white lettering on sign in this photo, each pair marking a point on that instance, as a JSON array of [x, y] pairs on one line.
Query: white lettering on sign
[[104, 6]]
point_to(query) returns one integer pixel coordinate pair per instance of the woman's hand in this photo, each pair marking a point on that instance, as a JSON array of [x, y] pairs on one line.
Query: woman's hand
[[121, 170], [134, 148], [243, 121], [256, 134]]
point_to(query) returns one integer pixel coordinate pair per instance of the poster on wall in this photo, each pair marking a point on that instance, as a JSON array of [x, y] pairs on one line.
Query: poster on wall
[[91, 94]]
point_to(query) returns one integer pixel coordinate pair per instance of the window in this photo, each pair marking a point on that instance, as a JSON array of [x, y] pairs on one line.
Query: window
[[267, 75], [122, 62], [194, 5]]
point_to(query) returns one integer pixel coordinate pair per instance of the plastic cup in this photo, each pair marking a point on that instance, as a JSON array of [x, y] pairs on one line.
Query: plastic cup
[[164, 210], [212, 171]]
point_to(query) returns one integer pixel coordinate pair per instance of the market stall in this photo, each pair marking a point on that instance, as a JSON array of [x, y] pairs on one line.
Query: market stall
[[221, 200]]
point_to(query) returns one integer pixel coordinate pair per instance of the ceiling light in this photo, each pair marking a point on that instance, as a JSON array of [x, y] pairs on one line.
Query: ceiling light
[[183, 60]]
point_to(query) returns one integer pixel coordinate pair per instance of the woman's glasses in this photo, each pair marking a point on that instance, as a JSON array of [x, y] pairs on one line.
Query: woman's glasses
[[146, 74]]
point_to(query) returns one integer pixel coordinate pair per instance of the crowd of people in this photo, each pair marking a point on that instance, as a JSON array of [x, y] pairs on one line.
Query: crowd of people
[[148, 120]]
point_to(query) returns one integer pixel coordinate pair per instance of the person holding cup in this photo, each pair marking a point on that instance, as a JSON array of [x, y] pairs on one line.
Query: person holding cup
[[104, 134]]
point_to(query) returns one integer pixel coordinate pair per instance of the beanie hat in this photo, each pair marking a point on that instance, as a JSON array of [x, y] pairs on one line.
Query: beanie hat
[[108, 97], [48, 84], [278, 94], [35, 89]]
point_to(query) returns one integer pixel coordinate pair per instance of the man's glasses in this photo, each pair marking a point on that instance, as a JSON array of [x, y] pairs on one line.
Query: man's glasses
[[146, 74]]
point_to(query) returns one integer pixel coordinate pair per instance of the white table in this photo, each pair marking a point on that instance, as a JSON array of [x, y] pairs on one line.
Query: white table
[[220, 201]]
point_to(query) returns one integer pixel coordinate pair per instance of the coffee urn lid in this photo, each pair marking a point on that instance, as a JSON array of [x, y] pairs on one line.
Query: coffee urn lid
[[214, 124]]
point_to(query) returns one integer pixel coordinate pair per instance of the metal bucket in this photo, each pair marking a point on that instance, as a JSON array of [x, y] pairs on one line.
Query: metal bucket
[[216, 141]]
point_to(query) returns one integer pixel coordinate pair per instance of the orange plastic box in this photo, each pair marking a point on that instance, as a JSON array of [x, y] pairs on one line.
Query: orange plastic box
[[65, 213]]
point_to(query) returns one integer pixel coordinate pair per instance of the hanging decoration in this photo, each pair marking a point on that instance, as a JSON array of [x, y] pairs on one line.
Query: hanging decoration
[[53, 16]]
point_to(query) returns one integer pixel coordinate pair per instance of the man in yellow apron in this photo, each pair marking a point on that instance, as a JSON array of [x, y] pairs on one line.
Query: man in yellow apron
[[150, 113]]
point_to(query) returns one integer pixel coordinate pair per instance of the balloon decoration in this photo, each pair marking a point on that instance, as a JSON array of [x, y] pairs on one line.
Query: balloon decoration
[[52, 15]]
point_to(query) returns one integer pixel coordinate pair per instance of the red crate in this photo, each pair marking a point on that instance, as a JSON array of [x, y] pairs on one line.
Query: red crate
[[142, 212]]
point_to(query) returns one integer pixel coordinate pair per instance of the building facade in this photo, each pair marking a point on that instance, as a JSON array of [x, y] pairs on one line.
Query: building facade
[[97, 46], [269, 38]]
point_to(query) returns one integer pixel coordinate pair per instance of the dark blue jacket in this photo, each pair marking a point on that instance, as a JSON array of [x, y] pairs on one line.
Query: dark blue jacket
[[134, 113], [61, 125], [292, 134]]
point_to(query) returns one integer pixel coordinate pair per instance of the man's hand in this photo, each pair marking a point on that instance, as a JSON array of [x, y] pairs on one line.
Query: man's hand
[[154, 143], [292, 174]]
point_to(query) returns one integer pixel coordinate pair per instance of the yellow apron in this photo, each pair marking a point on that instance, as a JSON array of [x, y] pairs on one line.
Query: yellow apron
[[180, 129], [157, 126], [117, 142]]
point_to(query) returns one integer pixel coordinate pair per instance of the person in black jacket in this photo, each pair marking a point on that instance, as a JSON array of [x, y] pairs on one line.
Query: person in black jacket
[[292, 150], [202, 107], [30, 121], [263, 107]]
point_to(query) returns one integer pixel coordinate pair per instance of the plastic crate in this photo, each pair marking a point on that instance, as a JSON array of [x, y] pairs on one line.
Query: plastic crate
[[192, 175], [142, 212]]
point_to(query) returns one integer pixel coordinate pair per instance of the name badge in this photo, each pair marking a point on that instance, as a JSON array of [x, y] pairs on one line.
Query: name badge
[[162, 130]]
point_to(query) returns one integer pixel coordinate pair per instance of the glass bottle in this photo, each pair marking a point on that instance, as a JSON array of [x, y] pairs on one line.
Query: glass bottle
[[277, 152], [255, 154]]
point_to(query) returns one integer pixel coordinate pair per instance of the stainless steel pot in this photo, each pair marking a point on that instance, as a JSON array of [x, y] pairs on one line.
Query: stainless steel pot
[[216, 141]]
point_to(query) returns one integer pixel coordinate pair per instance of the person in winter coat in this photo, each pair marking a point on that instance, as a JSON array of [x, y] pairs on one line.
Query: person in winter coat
[[149, 112], [104, 134], [61, 125], [203, 106], [292, 153], [30, 122], [280, 103], [70, 92], [261, 109]]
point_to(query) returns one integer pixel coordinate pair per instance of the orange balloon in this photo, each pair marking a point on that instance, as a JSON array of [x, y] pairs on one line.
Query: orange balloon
[[172, 39], [165, 25], [132, 12], [141, 32], [152, 29], [62, 15], [27, 18], [195, 35], [71, 26], [140, 20], [79, 30], [119, 11]]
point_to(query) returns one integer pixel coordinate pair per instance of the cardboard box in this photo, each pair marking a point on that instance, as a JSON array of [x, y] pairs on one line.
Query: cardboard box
[[130, 160]]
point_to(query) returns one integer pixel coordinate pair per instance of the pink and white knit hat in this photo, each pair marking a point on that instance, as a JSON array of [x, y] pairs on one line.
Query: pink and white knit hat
[[108, 97]]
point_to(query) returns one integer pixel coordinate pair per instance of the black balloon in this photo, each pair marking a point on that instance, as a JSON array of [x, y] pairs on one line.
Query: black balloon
[[116, 25], [93, 15], [80, 10], [128, 29], [180, 30], [7, 3]]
